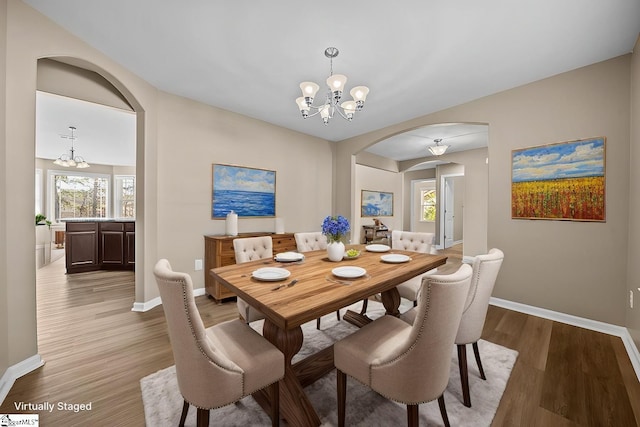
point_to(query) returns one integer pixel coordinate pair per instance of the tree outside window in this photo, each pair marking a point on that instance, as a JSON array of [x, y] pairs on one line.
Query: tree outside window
[[125, 188], [78, 196], [428, 205]]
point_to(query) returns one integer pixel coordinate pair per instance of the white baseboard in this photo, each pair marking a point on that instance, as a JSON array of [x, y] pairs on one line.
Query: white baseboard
[[146, 306], [594, 325], [16, 371]]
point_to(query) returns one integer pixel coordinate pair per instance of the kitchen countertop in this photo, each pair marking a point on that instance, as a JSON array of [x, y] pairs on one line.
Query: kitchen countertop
[[97, 220]]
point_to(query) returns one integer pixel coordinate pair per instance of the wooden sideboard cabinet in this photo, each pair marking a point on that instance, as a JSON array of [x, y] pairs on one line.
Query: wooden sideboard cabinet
[[218, 252]]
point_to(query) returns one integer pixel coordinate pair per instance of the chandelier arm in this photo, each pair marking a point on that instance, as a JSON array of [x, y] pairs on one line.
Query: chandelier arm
[[313, 114], [339, 110], [319, 107]]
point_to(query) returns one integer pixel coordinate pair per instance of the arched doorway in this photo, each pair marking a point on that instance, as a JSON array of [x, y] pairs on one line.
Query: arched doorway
[[84, 80]]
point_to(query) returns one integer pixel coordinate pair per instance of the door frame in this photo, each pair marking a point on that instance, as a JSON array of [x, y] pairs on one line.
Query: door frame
[[441, 204]]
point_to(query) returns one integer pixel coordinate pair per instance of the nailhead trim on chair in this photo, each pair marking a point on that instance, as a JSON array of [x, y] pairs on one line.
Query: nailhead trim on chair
[[420, 333], [475, 279], [193, 334]]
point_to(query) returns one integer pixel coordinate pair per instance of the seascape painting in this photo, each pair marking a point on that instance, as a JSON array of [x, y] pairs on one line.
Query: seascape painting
[[563, 181], [248, 192], [376, 203]]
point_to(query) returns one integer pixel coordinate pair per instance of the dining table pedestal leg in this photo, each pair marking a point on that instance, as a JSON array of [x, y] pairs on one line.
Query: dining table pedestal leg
[[295, 406], [391, 302]]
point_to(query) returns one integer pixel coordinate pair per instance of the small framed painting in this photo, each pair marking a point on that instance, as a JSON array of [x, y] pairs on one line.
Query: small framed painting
[[376, 203], [562, 181], [249, 192]]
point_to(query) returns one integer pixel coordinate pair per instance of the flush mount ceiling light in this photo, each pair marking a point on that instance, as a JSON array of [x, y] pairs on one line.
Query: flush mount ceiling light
[[438, 150], [335, 84], [72, 160]]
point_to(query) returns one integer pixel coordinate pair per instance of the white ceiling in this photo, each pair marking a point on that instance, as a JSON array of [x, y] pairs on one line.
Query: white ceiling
[[414, 143], [103, 135], [417, 58]]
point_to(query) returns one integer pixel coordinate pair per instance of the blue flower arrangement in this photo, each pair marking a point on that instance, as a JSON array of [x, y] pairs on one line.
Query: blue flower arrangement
[[335, 228]]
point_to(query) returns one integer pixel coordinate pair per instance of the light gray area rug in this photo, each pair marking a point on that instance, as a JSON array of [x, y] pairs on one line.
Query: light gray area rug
[[163, 402]]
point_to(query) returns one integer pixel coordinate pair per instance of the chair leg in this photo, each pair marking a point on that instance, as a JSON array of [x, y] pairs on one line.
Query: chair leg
[[365, 303], [476, 351], [318, 323], [203, 418], [341, 382], [274, 391], [413, 420], [183, 417], [338, 314], [464, 374], [443, 411]]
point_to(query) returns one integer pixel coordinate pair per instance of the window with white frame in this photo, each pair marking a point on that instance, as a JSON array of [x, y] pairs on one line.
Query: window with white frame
[[125, 196], [428, 205], [78, 195], [39, 209]]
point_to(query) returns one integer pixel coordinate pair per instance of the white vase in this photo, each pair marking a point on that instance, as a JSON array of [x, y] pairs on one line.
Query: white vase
[[335, 251]]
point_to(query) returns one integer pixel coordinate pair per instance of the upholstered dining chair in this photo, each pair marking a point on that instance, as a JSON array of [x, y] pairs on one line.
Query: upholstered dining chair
[[415, 242], [250, 249], [407, 363], [485, 272], [219, 365], [312, 241]]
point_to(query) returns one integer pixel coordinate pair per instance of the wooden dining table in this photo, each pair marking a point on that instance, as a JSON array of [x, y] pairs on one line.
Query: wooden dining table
[[316, 292]]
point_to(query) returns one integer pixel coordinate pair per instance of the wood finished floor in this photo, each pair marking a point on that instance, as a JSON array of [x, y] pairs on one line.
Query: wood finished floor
[[96, 350]]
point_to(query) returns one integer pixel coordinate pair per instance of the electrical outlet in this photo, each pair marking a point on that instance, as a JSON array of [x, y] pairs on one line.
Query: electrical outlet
[[631, 298], [198, 265]]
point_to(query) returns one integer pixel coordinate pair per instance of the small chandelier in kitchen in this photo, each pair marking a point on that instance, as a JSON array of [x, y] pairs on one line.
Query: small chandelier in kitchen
[[72, 160], [335, 84]]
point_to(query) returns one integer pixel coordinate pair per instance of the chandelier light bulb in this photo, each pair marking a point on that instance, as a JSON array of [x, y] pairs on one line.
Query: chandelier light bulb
[[324, 113], [309, 90], [303, 106], [337, 82], [359, 94], [349, 108]]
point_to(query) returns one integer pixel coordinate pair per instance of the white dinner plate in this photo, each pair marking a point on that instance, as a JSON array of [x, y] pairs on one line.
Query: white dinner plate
[[289, 257], [271, 274], [395, 258], [377, 248], [349, 272]]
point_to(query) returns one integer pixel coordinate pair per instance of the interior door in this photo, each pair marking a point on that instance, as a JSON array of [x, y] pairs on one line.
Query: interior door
[[449, 212]]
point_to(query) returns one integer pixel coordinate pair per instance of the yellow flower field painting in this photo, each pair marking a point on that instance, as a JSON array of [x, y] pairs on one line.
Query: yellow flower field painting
[[563, 181]]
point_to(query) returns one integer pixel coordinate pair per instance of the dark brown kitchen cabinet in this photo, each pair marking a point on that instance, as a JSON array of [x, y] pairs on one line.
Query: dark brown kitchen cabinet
[[130, 244], [81, 247], [100, 245]]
